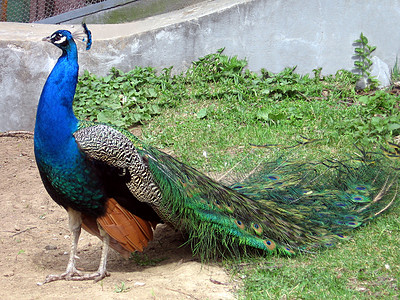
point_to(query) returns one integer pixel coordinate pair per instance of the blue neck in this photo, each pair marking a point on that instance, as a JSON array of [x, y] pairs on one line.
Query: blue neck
[[55, 119]]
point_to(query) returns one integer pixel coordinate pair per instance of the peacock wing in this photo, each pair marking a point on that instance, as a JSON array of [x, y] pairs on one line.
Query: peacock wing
[[128, 221]]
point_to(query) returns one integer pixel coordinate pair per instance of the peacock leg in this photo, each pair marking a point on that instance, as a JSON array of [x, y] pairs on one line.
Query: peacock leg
[[102, 270], [75, 221]]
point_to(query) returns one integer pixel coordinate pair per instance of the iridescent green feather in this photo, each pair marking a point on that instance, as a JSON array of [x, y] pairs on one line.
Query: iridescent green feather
[[283, 207]]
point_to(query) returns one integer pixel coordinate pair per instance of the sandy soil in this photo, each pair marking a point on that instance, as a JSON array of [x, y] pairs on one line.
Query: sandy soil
[[35, 241]]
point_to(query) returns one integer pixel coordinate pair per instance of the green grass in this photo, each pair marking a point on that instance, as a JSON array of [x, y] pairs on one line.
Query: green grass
[[209, 116], [395, 74], [363, 268]]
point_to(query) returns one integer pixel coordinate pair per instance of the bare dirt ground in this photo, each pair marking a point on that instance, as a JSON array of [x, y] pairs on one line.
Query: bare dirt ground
[[35, 241]]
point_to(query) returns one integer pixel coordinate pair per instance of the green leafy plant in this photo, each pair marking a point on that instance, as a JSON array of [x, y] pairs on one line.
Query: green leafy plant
[[217, 66], [123, 99], [363, 63], [378, 118]]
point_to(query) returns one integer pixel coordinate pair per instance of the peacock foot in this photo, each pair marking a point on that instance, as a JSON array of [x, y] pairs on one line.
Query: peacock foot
[[75, 275]]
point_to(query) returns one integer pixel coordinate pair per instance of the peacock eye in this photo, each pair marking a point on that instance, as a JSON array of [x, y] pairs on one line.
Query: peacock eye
[[58, 38], [55, 37]]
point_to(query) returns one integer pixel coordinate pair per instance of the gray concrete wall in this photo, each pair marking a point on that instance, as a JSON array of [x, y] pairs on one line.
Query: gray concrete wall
[[271, 34]]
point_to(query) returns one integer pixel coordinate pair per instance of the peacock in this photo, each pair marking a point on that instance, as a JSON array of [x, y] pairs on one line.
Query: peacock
[[119, 188], [94, 194]]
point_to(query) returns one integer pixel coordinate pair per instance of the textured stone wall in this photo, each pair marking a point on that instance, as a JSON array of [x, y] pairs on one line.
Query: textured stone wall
[[271, 34]]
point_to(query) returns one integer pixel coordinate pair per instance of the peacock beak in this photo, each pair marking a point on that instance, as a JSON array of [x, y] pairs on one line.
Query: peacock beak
[[47, 39]]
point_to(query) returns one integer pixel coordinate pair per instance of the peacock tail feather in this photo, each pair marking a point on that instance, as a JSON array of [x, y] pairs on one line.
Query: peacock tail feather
[[283, 206]]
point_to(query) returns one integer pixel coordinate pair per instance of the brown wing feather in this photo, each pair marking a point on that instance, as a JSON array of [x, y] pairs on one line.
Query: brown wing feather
[[128, 232]]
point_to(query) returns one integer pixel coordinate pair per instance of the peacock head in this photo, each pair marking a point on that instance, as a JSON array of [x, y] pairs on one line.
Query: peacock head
[[63, 38]]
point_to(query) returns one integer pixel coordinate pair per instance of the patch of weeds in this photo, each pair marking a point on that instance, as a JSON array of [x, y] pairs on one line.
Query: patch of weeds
[[378, 118], [122, 99], [218, 104]]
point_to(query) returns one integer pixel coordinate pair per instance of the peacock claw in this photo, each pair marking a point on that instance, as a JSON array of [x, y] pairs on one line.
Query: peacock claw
[[100, 276], [76, 276]]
